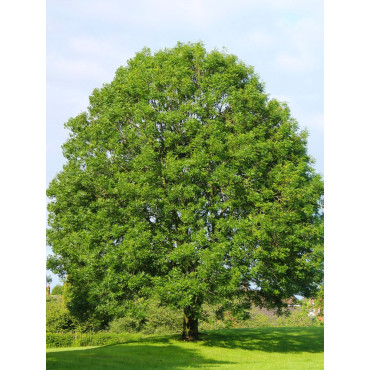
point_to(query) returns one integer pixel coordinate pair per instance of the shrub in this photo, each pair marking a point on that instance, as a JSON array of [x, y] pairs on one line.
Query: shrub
[[149, 318], [126, 324], [162, 319], [259, 320], [87, 339], [213, 319], [57, 290], [298, 317], [60, 339], [58, 318]]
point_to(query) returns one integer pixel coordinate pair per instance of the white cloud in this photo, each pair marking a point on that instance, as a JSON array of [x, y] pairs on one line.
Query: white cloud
[[287, 4], [303, 42], [84, 44], [102, 9], [147, 13], [73, 69], [314, 121], [200, 13], [260, 37], [164, 13], [299, 62], [103, 48]]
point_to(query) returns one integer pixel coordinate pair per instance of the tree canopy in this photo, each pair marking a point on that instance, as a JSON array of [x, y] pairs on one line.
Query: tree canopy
[[185, 181], [57, 290]]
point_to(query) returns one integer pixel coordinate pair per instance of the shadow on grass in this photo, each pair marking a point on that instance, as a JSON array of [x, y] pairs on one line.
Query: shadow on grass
[[282, 340], [164, 352], [154, 355]]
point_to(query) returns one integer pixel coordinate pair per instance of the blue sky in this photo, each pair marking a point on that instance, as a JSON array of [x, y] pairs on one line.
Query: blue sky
[[87, 40]]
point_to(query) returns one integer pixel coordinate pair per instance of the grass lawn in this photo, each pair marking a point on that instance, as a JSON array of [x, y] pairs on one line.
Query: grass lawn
[[262, 348]]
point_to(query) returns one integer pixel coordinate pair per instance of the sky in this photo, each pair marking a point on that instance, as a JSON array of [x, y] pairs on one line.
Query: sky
[[87, 40]]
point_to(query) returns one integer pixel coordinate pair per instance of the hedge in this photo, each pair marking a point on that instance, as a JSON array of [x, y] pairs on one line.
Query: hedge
[[88, 339]]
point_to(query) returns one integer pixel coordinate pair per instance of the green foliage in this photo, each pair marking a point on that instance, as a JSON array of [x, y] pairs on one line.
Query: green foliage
[[126, 324], [184, 181], [259, 320], [59, 339], [296, 318], [162, 320], [58, 318], [213, 320], [151, 318], [319, 300], [48, 279], [54, 340], [57, 290]]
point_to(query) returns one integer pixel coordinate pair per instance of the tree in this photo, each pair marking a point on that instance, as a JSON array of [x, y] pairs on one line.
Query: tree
[[184, 181], [48, 279], [57, 290], [48, 282]]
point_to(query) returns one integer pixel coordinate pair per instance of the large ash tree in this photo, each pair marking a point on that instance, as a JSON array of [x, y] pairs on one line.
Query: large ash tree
[[184, 181]]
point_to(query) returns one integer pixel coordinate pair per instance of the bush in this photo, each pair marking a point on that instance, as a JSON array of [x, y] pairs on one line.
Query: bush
[[149, 318], [162, 319], [60, 339], [212, 319], [57, 290], [87, 339], [259, 320], [58, 318], [126, 324], [298, 317]]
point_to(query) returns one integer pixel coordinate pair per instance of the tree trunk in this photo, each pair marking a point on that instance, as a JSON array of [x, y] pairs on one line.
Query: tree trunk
[[190, 327]]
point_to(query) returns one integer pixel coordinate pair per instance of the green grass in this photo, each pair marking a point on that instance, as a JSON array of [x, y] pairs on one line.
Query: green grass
[[262, 348]]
